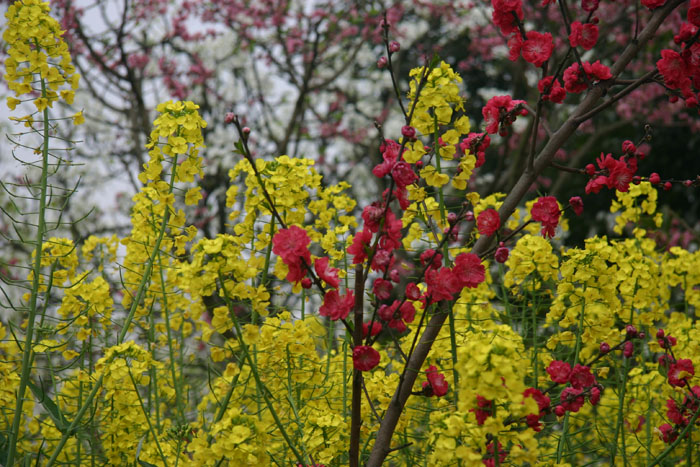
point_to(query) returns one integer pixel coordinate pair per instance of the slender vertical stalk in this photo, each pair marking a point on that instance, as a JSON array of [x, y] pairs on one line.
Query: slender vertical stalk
[[356, 420], [27, 351]]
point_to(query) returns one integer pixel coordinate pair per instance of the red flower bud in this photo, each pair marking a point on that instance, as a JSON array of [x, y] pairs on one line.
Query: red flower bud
[[654, 178], [408, 131], [394, 47], [501, 255], [381, 63]]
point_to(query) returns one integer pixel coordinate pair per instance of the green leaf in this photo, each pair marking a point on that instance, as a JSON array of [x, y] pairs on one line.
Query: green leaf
[[239, 148], [54, 412]]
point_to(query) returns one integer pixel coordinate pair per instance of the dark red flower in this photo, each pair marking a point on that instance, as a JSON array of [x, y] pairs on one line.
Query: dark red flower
[[581, 377], [484, 409], [546, 211], [412, 291], [673, 69], [325, 272], [653, 4], [533, 421], [694, 12], [376, 328], [382, 288], [551, 91], [674, 414], [372, 215], [542, 400], [390, 154], [476, 143], [403, 174], [500, 112], [336, 307], [364, 358], [559, 371], [469, 270], [501, 254], [382, 260], [537, 48], [574, 80], [427, 255], [387, 312], [488, 222], [359, 246], [589, 5], [291, 245], [585, 35], [442, 284], [576, 204], [408, 312], [436, 382], [572, 399], [667, 433], [504, 14], [679, 371]]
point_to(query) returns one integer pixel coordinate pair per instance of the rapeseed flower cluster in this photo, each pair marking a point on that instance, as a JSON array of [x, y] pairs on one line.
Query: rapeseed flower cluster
[[37, 53]]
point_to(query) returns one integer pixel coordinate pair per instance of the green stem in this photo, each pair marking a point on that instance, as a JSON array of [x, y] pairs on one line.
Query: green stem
[[254, 370], [149, 264], [147, 416], [27, 352], [177, 383], [620, 410]]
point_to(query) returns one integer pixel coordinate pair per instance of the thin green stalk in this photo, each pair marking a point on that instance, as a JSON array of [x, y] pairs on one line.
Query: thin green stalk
[[27, 351], [563, 439], [149, 264], [166, 314], [534, 339], [620, 414], [147, 416], [290, 398], [436, 138], [74, 425], [453, 349], [258, 381], [153, 385]]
